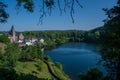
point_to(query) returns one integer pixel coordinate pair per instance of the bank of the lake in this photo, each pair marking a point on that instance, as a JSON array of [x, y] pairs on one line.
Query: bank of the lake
[[76, 57]]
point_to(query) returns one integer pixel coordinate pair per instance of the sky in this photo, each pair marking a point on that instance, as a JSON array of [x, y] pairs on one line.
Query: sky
[[86, 18]]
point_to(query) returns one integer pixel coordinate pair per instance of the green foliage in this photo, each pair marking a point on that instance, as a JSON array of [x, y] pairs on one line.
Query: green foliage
[[49, 3], [7, 74], [111, 50], [1, 57], [25, 63], [4, 39], [28, 77], [47, 58], [58, 72], [55, 38], [112, 25], [0, 50], [92, 74], [3, 14], [37, 69], [59, 65], [27, 4], [11, 55], [29, 53]]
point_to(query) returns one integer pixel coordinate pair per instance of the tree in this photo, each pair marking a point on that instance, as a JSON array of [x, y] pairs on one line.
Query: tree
[[92, 74], [11, 55], [1, 56], [26, 53], [112, 25], [4, 39], [3, 14], [111, 50], [8, 74], [29, 53], [47, 6]]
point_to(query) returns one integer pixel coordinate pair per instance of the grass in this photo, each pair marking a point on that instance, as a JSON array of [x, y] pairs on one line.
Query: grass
[[58, 72], [39, 69], [36, 68]]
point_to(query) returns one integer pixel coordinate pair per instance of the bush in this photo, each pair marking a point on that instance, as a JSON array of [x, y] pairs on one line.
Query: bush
[[92, 74], [59, 65], [4, 39]]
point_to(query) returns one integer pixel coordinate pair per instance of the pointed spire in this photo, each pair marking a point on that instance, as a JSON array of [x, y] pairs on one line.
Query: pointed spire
[[13, 32], [12, 28]]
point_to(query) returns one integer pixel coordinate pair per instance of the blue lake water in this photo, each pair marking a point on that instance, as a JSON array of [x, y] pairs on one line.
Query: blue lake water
[[76, 58]]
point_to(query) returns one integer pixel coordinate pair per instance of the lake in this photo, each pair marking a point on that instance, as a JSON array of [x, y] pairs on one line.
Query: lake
[[76, 58]]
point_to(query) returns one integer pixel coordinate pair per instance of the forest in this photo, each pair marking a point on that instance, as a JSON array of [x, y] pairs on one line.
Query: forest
[[57, 37]]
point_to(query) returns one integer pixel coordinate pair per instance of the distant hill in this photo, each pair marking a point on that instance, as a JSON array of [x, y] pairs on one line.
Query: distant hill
[[100, 29]]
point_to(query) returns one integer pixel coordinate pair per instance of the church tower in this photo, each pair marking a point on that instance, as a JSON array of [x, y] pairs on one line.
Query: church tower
[[13, 33], [14, 36]]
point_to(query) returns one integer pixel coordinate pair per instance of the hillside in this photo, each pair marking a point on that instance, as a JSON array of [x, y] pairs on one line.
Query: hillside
[[31, 68], [35, 68], [39, 70]]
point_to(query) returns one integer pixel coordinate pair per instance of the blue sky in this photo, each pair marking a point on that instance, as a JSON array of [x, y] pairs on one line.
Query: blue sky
[[86, 18]]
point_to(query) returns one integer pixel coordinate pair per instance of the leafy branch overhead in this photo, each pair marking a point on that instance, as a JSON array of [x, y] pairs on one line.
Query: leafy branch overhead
[[47, 7], [3, 14], [113, 14]]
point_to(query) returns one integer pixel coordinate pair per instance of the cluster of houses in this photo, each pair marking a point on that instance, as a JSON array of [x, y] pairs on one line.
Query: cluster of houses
[[29, 41], [18, 37]]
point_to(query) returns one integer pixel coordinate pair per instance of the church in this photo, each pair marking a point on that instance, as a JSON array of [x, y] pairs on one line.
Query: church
[[15, 36]]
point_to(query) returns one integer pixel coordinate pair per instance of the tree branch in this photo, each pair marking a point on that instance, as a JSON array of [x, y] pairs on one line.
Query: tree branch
[[59, 7], [72, 11]]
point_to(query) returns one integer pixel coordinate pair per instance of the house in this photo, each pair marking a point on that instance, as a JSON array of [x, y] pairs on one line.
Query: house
[[41, 40], [14, 36], [20, 41], [28, 43], [19, 38], [33, 40]]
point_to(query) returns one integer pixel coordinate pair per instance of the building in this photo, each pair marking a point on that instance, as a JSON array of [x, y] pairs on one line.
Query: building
[[42, 40], [14, 36]]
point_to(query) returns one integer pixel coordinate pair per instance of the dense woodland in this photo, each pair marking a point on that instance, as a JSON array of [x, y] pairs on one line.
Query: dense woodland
[[55, 38]]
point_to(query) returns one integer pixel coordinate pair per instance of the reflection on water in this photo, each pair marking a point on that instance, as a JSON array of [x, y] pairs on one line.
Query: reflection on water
[[76, 57]]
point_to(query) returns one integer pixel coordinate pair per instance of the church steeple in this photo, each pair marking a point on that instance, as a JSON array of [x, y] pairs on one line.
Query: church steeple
[[12, 29], [14, 36], [13, 33]]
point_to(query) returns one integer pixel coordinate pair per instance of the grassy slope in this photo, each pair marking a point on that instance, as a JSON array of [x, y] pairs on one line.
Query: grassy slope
[[36, 68], [40, 70]]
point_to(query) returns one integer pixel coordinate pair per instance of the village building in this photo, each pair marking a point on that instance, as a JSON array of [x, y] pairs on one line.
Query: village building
[[15, 36], [18, 37]]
